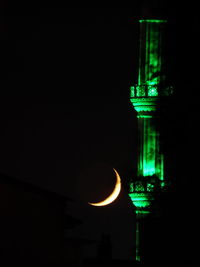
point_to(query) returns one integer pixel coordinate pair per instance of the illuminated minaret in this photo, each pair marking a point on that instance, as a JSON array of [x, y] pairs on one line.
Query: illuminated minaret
[[147, 97]]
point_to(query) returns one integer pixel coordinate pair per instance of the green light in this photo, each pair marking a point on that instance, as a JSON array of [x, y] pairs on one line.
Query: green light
[[153, 20], [151, 160], [132, 94], [150, 157], [152, 86], [142, 213], [140, 200], [144, 104], [150, 187], [144, 97], [152, 91], [151, 61]]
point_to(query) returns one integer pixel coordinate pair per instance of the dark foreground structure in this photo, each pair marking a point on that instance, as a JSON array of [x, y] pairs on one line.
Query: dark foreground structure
[[32, 224]]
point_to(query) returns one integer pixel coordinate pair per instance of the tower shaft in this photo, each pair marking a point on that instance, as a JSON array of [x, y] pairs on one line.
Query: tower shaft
[[152, 53], [150, 157]]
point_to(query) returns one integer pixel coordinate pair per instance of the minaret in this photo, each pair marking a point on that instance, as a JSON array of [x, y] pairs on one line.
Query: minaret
[[147, 97]]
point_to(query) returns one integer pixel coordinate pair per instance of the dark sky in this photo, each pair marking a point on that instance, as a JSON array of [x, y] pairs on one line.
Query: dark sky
[[65, 77], [64, 99]]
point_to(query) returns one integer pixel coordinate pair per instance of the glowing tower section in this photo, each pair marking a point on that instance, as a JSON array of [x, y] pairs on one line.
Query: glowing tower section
[[146, 97]]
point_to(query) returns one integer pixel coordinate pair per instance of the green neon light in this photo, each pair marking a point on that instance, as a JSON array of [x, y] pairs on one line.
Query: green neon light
[[151, 59], [140, 200], [144, 97], [153, 20], [153, 91], [142, 213], [144, 104], [132, 89], [150, 90], [151, 160], [141, 187]]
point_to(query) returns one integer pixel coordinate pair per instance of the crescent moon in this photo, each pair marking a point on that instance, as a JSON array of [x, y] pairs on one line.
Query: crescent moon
[[114, 195]]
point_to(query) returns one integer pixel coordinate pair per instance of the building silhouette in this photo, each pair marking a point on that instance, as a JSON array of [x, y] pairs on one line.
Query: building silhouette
[[104, 248], [33, 225]]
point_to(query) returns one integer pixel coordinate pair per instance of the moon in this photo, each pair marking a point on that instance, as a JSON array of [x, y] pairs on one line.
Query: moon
[[113, 196]]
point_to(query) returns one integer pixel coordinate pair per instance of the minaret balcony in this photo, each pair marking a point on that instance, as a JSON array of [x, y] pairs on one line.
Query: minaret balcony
[[142, 192], [145, 97], [150, 91]]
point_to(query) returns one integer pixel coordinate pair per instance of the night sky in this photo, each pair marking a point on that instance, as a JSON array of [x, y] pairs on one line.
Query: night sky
[[64, 104]]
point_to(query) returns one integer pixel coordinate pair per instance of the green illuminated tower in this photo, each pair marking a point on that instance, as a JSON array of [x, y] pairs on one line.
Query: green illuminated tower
[[147, 97]]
